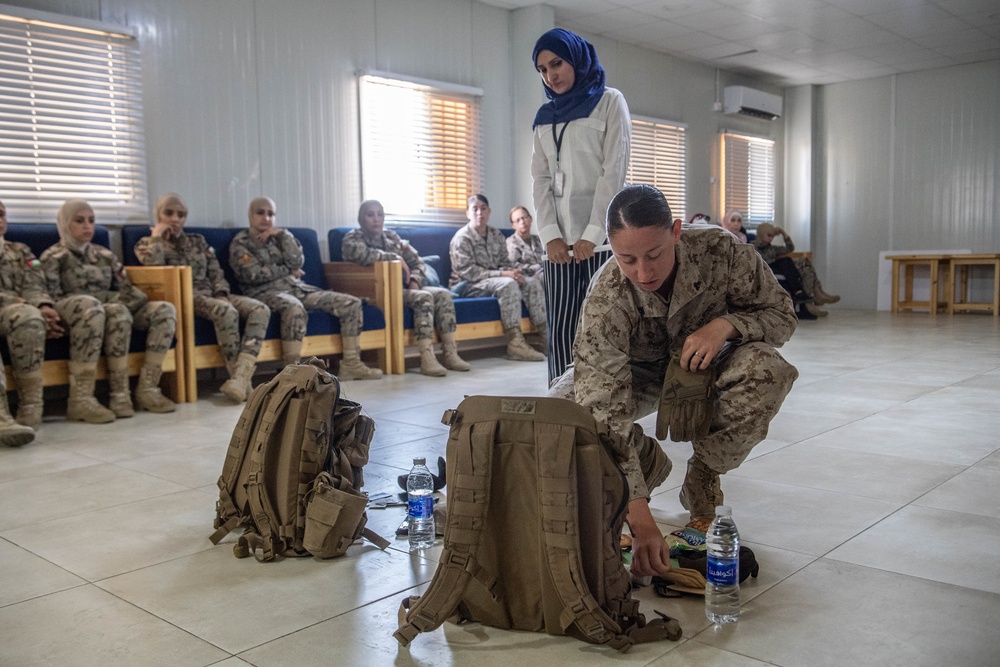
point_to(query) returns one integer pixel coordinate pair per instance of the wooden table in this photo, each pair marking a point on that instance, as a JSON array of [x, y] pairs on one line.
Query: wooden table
[[958, 269], [936, 264]]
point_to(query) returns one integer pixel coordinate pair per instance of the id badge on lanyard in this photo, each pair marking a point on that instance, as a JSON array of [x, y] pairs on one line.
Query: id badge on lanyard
[[559, 178]]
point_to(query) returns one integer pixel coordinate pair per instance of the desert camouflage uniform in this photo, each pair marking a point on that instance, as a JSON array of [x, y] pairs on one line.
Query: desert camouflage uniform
[[480, 260], [430, 304], [212, 299], [22, 292], [265, 272], [526, 255], [98, 302], [627, 335]]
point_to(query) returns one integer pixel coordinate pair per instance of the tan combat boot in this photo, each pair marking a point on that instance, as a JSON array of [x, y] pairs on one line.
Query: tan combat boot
[[700, 494], [12, 434], [30, 387], [428, 362], [291, 351], [147, 392], [449, 354], [351, 367], [82, 406], [542, 331], [822, 297], [518, 348], [120, 395], [816, 310], [239, 385]]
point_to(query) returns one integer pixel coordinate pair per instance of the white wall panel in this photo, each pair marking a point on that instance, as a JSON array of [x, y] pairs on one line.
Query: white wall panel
[[307, 53], [854, 128], [200, 99], [947, 158]]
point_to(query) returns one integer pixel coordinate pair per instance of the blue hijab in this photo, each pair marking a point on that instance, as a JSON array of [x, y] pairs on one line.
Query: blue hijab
[[588, 86]]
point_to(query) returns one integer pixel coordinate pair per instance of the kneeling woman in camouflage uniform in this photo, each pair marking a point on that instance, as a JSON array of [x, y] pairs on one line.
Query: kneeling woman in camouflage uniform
[[685, 324], [267, 260], [431, 305], [168, 245], [95, 298]]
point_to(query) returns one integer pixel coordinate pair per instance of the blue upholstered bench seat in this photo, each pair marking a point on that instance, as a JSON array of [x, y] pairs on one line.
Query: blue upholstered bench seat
[[40, 237], [429, 241], [219, 238]]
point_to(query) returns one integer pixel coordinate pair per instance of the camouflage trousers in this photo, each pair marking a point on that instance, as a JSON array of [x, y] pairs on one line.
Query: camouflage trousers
[[157, 318], [226, 315], [752, 384], [430, 305], [24, 328], [511, 294], [294, 307], [91, 322], [809, 279]]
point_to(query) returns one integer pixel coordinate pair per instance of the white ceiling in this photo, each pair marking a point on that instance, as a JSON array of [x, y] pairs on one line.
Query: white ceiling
[[795, 42]]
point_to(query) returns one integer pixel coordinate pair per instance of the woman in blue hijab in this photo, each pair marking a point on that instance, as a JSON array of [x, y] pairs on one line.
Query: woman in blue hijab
[[578, 164]]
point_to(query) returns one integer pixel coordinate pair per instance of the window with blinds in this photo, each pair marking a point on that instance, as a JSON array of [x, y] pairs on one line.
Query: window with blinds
[[421, 147], [658, 158], [748, 177], [70, 119]]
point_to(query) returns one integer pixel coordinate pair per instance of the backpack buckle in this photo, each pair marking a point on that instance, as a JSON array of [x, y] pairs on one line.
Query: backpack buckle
[[449, 417]]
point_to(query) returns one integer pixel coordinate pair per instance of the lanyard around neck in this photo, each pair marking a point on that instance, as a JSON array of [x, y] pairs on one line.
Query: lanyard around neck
[[558, 138]]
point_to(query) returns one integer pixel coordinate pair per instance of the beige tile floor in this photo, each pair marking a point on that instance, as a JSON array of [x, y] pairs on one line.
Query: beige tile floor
[[873, 507]]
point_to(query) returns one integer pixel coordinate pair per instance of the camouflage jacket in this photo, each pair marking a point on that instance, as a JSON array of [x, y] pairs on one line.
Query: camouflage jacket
[[267, 266], [771, 252], [21, 276], [621, 325], [362, 249], [186, 250], [474, 257], [526, 255], [95, 271]]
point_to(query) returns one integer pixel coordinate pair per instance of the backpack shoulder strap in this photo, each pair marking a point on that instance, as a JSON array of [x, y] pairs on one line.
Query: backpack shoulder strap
[[468, 500], [555, 443], [262, 508], [227, 515]]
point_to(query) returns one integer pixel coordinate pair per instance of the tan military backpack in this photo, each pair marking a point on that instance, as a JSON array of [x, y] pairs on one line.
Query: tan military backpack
[[536, 504], [293, 472]]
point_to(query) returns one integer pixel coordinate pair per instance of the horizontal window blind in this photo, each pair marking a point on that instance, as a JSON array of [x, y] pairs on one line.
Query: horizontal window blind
[[421, 148], [748, 177], [70, 121], [658, 158]]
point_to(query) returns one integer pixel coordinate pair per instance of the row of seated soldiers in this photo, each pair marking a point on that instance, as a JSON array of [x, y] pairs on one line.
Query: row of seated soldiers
[[80, 290]]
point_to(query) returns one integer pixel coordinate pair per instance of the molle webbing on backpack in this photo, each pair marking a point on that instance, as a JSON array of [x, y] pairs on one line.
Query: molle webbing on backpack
[[536, 504], [284, 481]]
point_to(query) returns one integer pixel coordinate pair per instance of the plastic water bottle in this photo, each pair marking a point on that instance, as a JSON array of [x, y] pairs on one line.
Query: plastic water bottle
[[722, 592], [420, 505]]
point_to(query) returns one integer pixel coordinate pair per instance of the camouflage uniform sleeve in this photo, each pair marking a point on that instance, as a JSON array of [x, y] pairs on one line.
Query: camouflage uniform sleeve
[[247, 264], [535, 261], [214, 273], [151, 251], [353, 248], [291, 251], [603, 375], [463, 261], [33, 289], [768, 252], [496, 243], [759, 307], [124, 291], [416, 265], [514, 251], [51, 269]]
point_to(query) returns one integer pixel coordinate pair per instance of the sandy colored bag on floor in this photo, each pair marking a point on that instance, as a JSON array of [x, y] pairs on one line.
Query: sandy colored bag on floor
[[293, 471], [536, 504]]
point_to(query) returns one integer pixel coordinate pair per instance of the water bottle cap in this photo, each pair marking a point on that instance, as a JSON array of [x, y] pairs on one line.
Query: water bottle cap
[[419, 461], [723, 510]]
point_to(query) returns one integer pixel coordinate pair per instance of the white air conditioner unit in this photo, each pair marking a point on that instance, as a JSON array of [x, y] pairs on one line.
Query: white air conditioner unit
[[752, 102]]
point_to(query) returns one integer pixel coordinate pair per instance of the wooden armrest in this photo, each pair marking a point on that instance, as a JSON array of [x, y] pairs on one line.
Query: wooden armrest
[[351, 278]]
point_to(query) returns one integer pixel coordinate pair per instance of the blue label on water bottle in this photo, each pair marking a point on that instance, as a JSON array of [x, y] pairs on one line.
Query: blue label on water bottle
[[420, 507], [723, 571]]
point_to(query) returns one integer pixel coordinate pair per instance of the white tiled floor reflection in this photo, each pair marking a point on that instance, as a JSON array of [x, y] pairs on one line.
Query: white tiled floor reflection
[[872, 508]]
